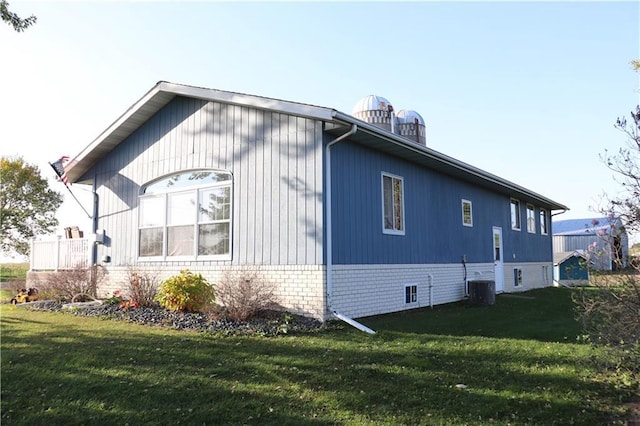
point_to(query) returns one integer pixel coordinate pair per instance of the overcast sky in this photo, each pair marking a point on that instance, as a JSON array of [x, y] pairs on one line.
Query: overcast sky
[[527, 91]]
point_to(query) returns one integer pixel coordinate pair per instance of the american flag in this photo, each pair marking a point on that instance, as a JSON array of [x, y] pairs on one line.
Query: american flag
[[58, 167]]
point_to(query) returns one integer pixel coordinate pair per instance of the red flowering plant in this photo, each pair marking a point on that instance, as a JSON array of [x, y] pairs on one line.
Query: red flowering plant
[[115, 299], [129, 304], [118, 299]]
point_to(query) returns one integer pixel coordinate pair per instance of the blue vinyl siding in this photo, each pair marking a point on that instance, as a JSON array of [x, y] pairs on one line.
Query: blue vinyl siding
[[433, 216]]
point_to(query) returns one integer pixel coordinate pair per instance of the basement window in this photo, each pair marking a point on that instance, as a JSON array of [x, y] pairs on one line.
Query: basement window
[[545, 274], [410, 294], [517, 277]]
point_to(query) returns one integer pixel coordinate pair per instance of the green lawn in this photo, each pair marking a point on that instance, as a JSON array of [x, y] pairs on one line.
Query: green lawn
[[13, 271], [12, 277], [518, 362]]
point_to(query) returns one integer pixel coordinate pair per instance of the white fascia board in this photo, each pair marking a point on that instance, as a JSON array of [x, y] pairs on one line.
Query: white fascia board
[[109, 131], [271, 104], [158, 97]]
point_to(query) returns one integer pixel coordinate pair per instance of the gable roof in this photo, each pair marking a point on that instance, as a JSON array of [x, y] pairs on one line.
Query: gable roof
[[336, 123], [562, 256], [159, 96]]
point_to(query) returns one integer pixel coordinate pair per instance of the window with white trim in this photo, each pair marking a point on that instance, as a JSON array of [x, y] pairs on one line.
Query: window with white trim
[[531, 219], [515, 214], [410, 294], [467, 213], [186, 215], [392, 204], [545, 274], [517, 277], [544, 227]]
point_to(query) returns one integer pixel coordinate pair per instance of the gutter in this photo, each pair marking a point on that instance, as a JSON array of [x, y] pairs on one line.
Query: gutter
[[329, 231]]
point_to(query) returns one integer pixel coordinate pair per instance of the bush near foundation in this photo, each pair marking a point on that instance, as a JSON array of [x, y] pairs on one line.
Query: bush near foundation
[[245, 293], [142, 287], [78, 283], [186, 292]]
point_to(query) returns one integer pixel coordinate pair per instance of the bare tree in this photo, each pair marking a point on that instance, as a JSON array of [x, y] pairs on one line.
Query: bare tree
[[610, 308], [626, 165]]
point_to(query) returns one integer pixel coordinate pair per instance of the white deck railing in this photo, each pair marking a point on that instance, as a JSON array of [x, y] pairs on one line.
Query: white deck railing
[[60, 254]]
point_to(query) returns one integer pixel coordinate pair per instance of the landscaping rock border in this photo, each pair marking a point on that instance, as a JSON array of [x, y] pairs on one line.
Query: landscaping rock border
[[267, 323]]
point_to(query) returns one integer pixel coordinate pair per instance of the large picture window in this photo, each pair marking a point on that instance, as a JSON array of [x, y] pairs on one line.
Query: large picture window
[[186, 216], [392, 204]]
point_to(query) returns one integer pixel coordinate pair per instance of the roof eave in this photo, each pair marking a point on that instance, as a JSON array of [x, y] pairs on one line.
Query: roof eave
[[472, 172], [129, 121], [159, 96]]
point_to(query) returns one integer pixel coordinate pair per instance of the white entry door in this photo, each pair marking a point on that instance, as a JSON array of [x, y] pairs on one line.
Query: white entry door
[[498, 259]]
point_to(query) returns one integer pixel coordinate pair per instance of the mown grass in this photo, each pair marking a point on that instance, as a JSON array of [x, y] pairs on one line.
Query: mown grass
[[518, 362], [13, 271], [12, 277]]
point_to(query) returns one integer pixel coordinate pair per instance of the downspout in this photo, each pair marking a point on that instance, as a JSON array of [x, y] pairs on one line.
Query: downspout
[[94, 230], [430, 289], [94, 221], [329, 232]]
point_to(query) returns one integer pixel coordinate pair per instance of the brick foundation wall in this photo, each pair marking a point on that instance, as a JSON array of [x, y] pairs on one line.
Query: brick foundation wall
[[299, 288], [364, 290], [358, 290]]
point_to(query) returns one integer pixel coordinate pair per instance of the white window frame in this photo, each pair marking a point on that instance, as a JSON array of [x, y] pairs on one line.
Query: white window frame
[[544, 222], [516, 219], [470, 204], [410, 290], [545, 274], [385, 228], [517, 277], [195, 222], [531, 219]]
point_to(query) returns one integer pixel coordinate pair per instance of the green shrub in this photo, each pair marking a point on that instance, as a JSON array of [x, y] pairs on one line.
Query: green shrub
[[186, 291]]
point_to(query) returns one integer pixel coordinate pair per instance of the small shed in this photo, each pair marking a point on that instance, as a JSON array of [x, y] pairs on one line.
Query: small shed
[[571, 268]]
